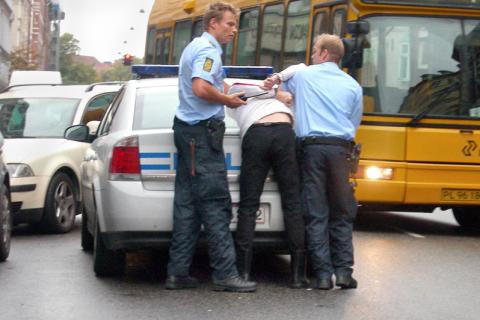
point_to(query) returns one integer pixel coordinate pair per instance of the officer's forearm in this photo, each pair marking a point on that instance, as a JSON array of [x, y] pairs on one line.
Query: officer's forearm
[[204, 90]]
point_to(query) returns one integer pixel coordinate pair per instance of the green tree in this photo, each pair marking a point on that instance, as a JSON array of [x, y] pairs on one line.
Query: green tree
[[74, 72], [119, 72], [19, 60]]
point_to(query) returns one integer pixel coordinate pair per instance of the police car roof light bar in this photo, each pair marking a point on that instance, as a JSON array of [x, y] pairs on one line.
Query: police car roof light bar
[[155, 71], [247, 72]]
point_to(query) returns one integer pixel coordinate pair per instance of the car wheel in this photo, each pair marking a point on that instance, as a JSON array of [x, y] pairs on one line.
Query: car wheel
[[467, 217], [6, 223], [87, 238], [60, 204], [106, 262]]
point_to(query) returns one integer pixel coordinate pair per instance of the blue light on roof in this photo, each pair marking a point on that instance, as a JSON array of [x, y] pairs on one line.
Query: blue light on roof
[[155, 71], [250, 72]]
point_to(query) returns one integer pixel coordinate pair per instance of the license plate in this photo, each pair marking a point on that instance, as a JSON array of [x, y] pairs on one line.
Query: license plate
[[262, 214], [460, 195]]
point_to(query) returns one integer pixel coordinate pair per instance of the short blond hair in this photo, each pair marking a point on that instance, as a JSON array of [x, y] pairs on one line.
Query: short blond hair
[[333, 44], [216, 11]]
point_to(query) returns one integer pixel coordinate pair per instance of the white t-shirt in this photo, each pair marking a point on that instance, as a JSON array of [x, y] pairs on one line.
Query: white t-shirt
[[254, 110]]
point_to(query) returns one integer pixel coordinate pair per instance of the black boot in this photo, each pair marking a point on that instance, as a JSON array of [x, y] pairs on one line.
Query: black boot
[[299, 270], [244, 263]]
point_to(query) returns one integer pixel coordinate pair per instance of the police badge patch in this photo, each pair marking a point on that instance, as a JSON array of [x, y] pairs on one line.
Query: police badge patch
[[207, 65]]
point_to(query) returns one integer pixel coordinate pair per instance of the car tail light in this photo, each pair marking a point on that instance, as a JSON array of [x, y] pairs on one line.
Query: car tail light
[[125, 164]]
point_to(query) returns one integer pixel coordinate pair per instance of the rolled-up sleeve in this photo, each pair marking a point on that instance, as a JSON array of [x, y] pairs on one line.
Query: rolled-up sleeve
[[206, 64]]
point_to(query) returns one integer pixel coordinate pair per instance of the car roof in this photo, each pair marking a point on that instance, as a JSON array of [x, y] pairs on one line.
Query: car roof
[[45, 91]]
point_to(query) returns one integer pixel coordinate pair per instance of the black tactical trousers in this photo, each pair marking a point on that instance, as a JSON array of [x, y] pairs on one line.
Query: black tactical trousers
[[329, 208], [201, 198], [263, 148]]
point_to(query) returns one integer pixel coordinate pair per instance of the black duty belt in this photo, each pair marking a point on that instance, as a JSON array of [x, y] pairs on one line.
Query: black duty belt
[[269, 124], [203, 123], [327, 140]]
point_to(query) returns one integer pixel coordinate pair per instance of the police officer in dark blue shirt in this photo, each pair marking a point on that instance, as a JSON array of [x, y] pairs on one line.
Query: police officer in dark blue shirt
[[201, 188]]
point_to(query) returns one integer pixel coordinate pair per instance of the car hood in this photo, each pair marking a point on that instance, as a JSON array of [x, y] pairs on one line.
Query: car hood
[[24, 150]]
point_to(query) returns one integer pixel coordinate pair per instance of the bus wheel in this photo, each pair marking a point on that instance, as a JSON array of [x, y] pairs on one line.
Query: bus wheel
[[467, 217]]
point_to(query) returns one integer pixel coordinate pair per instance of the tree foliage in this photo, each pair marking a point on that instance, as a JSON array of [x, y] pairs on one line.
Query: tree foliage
[[74, 72], [19, 60], [119, 72]]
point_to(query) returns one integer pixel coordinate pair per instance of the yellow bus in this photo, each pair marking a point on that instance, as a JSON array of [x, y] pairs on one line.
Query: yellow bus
[[418, 63]]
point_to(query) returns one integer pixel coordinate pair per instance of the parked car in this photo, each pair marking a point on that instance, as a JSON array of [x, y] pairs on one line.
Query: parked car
[[6, 218], [44, 167], [128, 175]]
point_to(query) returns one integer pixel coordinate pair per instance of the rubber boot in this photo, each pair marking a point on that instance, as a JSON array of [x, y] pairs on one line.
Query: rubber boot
[[299, 269]]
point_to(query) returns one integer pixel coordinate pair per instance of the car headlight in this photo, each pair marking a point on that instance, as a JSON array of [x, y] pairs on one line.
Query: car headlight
[[19, 170]]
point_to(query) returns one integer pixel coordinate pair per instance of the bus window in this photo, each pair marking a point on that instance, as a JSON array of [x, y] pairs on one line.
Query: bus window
[[338, 22], [197, 28], [271, 45], [150, 45], [182, 36], [158, 51], [228, 51], [247, 38], [296, 35], [320, 25], [165, 50]]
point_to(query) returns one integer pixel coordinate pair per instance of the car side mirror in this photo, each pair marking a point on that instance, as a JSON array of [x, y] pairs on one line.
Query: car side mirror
[[78, 132]]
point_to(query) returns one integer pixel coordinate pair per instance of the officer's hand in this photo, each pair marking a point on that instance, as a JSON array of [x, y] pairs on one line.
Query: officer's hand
[[234, 100], [271, 81]]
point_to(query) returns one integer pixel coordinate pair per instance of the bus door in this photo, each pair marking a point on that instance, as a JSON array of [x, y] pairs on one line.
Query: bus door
[[327, 19]]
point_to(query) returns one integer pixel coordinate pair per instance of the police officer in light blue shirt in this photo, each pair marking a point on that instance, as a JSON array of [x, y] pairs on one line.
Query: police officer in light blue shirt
[[328, 109], [201, 188]]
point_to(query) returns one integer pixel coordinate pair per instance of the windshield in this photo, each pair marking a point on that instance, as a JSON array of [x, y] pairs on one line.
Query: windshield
[[415, 65], [155, 108], [36, 117]]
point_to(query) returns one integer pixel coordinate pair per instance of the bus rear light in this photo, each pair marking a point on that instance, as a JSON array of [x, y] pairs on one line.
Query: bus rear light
[[125, 163]]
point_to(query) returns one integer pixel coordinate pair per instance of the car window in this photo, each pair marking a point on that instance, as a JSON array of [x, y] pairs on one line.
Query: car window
[[155, 108], [97, 106], [108, 118], [36, 117]]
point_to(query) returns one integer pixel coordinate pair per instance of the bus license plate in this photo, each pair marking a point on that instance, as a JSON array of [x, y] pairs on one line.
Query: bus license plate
[[262, 213], [460, 195]]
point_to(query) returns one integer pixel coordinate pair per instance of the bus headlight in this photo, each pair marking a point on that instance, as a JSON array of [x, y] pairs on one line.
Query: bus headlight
[[377, 173]]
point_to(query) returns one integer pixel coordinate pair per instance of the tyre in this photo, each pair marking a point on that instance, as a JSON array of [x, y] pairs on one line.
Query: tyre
[[467, 217], [6, 223], [86, 236], [106, 262], [60, 204]]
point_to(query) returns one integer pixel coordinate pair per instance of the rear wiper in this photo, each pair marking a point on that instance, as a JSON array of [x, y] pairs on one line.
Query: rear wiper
[[441, 95]]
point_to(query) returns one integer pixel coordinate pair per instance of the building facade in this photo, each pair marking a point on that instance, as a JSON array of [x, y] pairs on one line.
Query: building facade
[[6, 17]]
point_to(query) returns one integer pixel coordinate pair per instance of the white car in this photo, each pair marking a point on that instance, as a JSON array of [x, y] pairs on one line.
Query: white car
[[44, 167], [128, 176]]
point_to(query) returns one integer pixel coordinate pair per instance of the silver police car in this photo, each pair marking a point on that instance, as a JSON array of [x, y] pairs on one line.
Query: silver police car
[[128, 175]]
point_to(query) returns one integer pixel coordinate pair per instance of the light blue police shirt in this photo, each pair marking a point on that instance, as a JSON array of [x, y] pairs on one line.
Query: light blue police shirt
[[328, 102], [202, 58]]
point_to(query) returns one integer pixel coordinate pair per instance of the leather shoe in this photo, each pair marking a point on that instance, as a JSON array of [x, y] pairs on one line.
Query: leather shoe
[[180, 282], [323, 283], [234, 284], [346, 282]]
